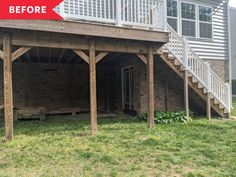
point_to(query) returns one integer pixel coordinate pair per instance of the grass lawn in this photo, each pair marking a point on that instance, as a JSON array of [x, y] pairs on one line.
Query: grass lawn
[[234, 106], [121, 148]]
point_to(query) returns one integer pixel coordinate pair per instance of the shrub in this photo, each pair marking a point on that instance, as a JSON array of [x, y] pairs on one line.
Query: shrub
[[167, 117]]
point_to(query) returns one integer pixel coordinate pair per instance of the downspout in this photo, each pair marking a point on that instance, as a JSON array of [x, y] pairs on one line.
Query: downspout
[[229, 50]]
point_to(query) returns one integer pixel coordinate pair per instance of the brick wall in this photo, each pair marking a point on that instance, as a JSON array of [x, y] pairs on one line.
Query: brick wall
[[162, 75], [55, 85], [66, 85], [221, 67]]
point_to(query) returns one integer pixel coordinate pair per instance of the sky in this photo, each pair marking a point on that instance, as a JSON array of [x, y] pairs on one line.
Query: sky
[[232, 3]]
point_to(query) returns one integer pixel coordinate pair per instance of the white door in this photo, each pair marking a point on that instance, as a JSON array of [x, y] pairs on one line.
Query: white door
[[127, 88]]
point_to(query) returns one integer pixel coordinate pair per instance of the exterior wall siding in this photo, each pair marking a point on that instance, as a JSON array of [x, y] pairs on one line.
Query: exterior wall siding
[[233, 41], [218, 47]]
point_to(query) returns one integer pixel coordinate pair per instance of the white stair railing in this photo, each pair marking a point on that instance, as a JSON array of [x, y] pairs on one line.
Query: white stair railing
[[134, 13], [201, 70]]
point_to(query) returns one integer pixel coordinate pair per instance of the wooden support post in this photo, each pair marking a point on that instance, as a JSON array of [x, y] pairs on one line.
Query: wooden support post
[[150, 85], [208, 104], [208, 99], [8, 100], [93, 89], [186, 94]]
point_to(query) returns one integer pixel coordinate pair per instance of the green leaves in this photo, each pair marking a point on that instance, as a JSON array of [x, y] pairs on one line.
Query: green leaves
[[168, 117]]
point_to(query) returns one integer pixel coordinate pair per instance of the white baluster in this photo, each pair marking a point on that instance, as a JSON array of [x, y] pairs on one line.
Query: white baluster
[[164, 4], [185, 51], [208, 76], [118, 12]]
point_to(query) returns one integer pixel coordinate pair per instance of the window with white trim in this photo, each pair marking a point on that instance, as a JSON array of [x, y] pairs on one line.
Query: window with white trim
[[205, 22], [172, 14], [188, 15]]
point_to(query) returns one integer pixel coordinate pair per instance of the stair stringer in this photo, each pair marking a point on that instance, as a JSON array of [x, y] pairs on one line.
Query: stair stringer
[[200, 91]]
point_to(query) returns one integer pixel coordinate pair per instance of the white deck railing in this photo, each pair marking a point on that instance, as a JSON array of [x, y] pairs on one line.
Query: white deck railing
[[134, 13], [178, 47]]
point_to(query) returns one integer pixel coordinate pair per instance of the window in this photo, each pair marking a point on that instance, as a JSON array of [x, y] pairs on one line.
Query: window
[[205, 22], [190, 19], [172, 14], [188, 14]]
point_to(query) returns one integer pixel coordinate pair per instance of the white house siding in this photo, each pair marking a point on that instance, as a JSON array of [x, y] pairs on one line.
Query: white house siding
[[216, 48], [233, 41]]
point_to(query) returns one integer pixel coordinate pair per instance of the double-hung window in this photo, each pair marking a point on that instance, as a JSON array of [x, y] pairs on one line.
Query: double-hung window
[[205, 22], [188, 14], [172, 14]]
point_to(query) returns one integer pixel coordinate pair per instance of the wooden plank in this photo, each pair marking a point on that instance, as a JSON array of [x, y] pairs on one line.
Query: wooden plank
[[100, 56], [48, 40], [87, 29], [143, 58], [1, 54], [19, 52], [8, 100], [82, 55], [208, 106], [186, 94], [93, 89], [150, 86]]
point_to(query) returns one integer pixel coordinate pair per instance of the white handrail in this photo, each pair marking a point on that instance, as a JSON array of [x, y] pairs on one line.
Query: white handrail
[[178, 47], [134, 13]]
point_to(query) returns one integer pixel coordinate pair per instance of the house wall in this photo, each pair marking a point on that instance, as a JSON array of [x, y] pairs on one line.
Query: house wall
[[161, 76], [215, 50], [67, 85], [233, 46], [55, 85]]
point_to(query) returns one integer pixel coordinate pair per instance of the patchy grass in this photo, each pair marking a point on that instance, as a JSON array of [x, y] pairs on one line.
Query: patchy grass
[[64, 147], [234, 107]]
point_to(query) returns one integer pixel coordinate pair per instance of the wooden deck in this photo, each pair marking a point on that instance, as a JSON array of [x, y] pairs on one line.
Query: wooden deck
[[90, 41]]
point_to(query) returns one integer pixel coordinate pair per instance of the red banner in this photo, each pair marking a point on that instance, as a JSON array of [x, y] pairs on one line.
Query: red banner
[[29, 9]]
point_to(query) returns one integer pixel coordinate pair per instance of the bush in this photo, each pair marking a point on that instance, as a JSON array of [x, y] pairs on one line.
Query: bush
[[167, 117]]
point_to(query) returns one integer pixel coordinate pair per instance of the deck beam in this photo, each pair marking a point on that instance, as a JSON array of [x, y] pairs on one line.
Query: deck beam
[[68, 41], [8, 95], [150, 87]]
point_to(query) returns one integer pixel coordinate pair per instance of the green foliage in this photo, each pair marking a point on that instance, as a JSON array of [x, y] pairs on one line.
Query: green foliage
[[167, 117], [170, 117], [64, 146]]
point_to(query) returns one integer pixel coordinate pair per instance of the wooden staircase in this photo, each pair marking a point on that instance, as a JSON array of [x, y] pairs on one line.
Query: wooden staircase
[[202, 80]]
